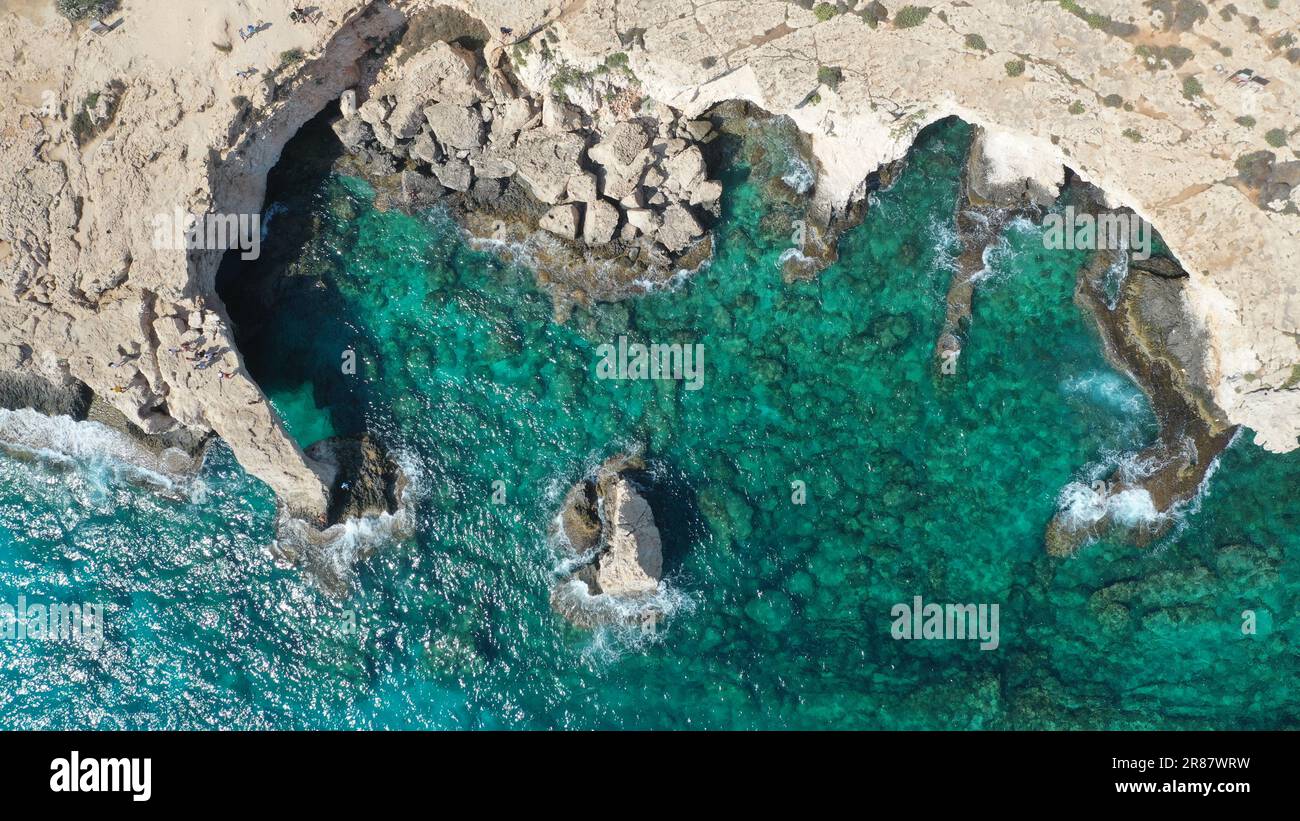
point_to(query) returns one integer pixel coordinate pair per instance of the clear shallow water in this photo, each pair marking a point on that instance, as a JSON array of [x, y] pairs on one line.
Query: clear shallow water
[[915, 486]]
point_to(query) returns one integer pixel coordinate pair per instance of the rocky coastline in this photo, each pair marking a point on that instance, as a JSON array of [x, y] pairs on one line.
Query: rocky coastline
[[1146, 329], [175, 454], [1147, 334], [616, 185], [618, 96], [993, 193]]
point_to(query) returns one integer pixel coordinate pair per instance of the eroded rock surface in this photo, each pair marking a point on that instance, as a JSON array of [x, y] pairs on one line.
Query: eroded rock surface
[[624, 191], [98, 134], [609, 531]]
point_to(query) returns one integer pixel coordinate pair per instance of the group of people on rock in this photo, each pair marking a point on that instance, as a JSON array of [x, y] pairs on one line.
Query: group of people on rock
[[203, 358]]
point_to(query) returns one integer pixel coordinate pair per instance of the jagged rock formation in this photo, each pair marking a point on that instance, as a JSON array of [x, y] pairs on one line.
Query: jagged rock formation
[[98, 134], [998, 184], [624, 189], [609, 531], [1149, 335], [367, 481], [89, 293], [1133, 96]]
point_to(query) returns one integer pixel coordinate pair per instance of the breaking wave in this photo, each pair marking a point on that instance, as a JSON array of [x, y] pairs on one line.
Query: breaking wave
[[799, 176], [330, 557], [1107, 388], [1082, 506], [102, 455]]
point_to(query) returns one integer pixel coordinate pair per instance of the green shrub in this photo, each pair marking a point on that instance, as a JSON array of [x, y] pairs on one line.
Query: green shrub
[[84, 9], [1112, 101], [83, 128], [1177, 55], [1276, 137], [1271, 4], [1076, 107], [1246, 121], [566, 74], [824, 12], [909, 16], [874, 13], [617, 63], [976, 42], [1015, 68], [288, 58], [1133, 134], [830, 76], [1255, 165], [1099, 21], [1192, 88]]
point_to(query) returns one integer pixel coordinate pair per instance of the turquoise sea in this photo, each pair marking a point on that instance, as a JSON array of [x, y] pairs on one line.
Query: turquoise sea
[[778, 612]]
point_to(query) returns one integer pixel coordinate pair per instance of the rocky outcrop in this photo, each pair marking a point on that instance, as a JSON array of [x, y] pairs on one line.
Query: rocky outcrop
[[365, 479], [1150, 335], [1075, 84], [90, 291], [999, 182], [176, 453], [608, 530], [627, 191], [1003, 171]]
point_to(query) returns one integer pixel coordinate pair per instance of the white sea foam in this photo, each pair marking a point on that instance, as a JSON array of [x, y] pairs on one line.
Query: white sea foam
[[672, 283], [276, 209], [521, 252], [1133, 508], [1183, 511], [1107, 388], [103, 455], [798, 175], [331, 556], [626, 624], [1113, 282], [792, 253], [943, 238], [999, 256], [1082, 505]]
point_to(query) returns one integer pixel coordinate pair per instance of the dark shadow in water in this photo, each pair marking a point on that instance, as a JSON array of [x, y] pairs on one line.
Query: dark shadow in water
[[291, 283], [675, 505]]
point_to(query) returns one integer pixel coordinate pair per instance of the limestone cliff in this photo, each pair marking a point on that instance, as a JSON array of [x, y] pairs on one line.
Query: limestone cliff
[[101, 133]]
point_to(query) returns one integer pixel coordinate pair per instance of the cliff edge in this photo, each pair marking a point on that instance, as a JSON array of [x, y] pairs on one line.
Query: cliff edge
[[175, 109]]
